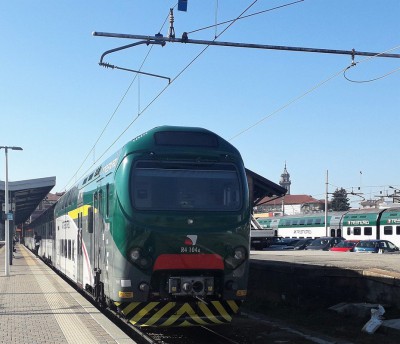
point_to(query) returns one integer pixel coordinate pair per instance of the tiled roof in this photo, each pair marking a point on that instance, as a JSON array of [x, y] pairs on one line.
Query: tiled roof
[[289, 199]]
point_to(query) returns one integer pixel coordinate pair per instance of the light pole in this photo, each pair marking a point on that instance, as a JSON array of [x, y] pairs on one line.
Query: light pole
[[395, 194], [326, 205], [6, 210]]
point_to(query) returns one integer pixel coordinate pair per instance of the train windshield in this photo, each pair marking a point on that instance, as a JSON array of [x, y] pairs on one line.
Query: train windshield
[[216, 189]]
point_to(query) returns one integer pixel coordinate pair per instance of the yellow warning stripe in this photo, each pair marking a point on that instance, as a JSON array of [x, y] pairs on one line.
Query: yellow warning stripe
[[182, 314], [221, 310], [130, 307], [209, 314], [143, 312], [234, 306], [157, 316], [186, 308], [83, 209], [28, 258]]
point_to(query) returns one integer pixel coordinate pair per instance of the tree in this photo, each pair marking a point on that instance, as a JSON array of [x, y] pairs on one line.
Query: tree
[[340, 201]]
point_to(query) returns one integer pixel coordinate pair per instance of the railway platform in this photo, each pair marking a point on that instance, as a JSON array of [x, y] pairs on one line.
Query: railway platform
[[38, 306]]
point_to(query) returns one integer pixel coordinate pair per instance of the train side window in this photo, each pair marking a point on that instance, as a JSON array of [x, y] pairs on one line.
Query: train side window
[[69, 249], [357, 230], [90, 219], [388, 230], [368, 231], [317, 221], [295, 222], [100, 198], [348, 231], [398, 230], [309, 221], [302, 222], [107, 200]]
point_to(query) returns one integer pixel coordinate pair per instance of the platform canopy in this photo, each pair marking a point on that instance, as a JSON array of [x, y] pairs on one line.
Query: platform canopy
[[261, 187], [26, 195]]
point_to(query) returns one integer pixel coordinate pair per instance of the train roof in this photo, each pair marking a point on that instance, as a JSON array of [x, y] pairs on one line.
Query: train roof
[[174, 137], [391, 216], [163, 136]]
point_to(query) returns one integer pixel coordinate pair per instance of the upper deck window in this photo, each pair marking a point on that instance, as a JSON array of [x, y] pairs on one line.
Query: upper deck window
[[184, 138], [203, 189]]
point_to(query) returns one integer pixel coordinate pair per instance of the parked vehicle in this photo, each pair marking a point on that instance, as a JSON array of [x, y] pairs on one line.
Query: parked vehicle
[[324, 243], [283, 244], [344, 246], [375, 246], [302, 244], [275, 241]]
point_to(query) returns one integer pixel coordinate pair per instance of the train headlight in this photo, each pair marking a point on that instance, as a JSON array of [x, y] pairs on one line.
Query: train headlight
[[135, 254], [240, 253], [138, 258], [237, 256], [144, 262]]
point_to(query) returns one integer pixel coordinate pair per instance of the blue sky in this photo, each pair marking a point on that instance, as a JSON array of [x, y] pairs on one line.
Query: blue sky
[[56, 99]]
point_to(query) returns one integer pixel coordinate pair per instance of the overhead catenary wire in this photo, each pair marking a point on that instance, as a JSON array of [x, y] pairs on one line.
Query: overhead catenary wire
[[244, 17], [367, 59], [191, 62], [312, 89], [149, 104], [114, 112]]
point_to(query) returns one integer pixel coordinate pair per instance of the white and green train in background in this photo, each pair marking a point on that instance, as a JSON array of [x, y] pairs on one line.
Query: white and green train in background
[[159, 231], [358, 224]]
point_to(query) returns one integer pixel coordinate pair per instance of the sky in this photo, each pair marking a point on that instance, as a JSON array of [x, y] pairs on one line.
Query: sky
[[276, 107]]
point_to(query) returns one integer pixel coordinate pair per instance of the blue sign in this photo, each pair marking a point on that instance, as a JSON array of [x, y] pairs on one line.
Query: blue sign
[[10, 216], [182, 5]]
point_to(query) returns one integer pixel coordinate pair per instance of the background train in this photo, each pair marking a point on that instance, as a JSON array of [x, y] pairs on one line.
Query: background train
[[159, 231], [358, 224]]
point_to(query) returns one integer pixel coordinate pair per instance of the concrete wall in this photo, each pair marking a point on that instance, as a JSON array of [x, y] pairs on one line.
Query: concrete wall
[[307, 285]]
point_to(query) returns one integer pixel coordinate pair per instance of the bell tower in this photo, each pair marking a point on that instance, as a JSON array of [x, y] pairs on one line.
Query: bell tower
[[285, 180]]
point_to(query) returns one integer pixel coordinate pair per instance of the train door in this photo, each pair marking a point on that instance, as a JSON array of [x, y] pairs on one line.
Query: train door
[[98, 233], [98, 238], [93, 245], [79, 251]]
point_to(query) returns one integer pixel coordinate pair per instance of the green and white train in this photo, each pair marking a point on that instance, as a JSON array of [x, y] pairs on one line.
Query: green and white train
[[159, 231], [360, 224]]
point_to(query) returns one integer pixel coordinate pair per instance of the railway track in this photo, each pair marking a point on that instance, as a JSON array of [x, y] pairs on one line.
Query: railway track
[[193, 335]]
